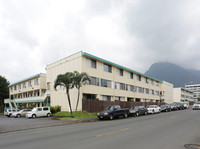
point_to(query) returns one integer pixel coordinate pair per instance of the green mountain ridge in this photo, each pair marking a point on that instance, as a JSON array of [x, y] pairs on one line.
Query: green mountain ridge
[[173, 74]]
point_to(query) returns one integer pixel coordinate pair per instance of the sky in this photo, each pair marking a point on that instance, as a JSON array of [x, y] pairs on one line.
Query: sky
[[132, 33]]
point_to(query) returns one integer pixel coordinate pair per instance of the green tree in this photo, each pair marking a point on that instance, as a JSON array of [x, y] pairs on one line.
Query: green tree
[[4, 90], [65, 80], [78, 80]]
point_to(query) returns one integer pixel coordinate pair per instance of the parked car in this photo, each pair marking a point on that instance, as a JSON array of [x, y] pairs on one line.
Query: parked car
[[112, 112], [173, 106], [8, 112], [179, 106], [196, 106], [153, 109], [39, 112], [21, 113], [185, 104], [165, 108], [138, 110]]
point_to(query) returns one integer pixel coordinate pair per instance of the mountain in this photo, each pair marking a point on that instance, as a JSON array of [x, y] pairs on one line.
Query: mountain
[[174, 74]]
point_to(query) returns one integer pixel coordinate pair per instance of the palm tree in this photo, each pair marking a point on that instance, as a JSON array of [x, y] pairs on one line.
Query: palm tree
[[65, 80], [79, 79]]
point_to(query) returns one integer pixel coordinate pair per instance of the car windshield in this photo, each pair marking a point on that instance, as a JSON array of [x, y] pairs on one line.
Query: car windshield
[[135, 108], [109, 108], [163, 106], [150, 106], [21, 110], [198, 103]]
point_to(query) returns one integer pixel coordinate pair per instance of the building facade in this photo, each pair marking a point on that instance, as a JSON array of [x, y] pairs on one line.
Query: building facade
[[182, 94], [29, 91], [167, 89], [109, 82], [196, 89]]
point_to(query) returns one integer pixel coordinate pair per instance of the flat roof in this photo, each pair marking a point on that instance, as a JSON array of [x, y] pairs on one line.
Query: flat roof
[[119, 66], [37, 75], [187, 90]]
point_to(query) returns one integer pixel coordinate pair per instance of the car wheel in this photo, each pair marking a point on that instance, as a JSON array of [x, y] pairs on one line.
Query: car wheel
[[18, 115], [153, 112], [111, 117], [136, 114], [33, 116], [125, 115], [48, 115]]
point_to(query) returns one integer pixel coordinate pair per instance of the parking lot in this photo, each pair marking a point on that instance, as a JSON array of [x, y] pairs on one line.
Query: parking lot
[[13, 124]]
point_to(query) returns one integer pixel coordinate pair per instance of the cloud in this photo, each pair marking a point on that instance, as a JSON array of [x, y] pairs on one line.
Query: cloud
[[132, 33]]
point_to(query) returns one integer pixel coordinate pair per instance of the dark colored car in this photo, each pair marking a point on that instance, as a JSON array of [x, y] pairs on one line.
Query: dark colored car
[[179, 106], [112, 112], [173, 106], [165, 108], [138, 110]]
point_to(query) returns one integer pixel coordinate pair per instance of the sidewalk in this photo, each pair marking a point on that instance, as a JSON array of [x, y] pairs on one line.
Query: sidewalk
[[14, 124]]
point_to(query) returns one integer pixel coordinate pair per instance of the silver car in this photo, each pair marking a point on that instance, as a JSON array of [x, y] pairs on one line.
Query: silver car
[[196, 106], [21, 113]]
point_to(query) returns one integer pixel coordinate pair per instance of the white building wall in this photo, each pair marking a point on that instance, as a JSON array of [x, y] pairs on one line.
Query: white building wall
[[167, 89]]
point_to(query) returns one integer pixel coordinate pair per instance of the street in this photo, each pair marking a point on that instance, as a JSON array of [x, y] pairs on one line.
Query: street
[[171, 130]]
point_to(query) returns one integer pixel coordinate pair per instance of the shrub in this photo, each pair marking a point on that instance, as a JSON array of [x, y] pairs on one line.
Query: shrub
[[55, 109]]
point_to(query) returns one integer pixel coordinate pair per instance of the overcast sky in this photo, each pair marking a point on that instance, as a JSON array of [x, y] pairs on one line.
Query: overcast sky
[[132, 33]]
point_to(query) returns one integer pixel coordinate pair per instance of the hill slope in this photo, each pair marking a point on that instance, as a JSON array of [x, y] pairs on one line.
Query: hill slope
[[174, 74]]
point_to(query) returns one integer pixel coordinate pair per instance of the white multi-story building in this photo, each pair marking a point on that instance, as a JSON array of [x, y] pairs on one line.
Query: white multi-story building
[[182, 94], [31, 90], [109, 81], [196, 90]]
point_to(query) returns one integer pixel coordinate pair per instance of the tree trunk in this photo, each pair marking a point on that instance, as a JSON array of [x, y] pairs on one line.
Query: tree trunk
[[77, 102], [67, 91]]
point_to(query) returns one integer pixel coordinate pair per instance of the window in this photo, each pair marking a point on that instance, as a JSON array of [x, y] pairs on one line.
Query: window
[[139, 77], [120, 86], [39, 109], [91, 63], [131, 75], [130, 88], [94, 81], [36, 82], [152, 92], [106, 83], [146, 90], [19, 86], [146, 80], [117, 98], [106, 98], [15, 87], [11, 89], [29, 84], [119, 72], [152, 82], [108, 68], [24, 85], [45, 109]]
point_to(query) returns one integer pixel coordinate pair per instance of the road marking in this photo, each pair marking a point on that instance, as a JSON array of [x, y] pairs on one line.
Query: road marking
[[173, 117], [111, 132]]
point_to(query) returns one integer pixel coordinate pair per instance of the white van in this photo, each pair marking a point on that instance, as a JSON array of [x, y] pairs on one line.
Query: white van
[[39, 112]]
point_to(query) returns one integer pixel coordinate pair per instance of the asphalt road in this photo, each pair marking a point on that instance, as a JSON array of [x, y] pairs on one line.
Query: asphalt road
[[160, 131]]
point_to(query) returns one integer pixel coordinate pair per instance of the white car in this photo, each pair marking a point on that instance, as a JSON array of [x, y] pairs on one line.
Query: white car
[[9, 112], [196, 106], [39, 112], [21, 113], [185, 104], [153, 109]]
